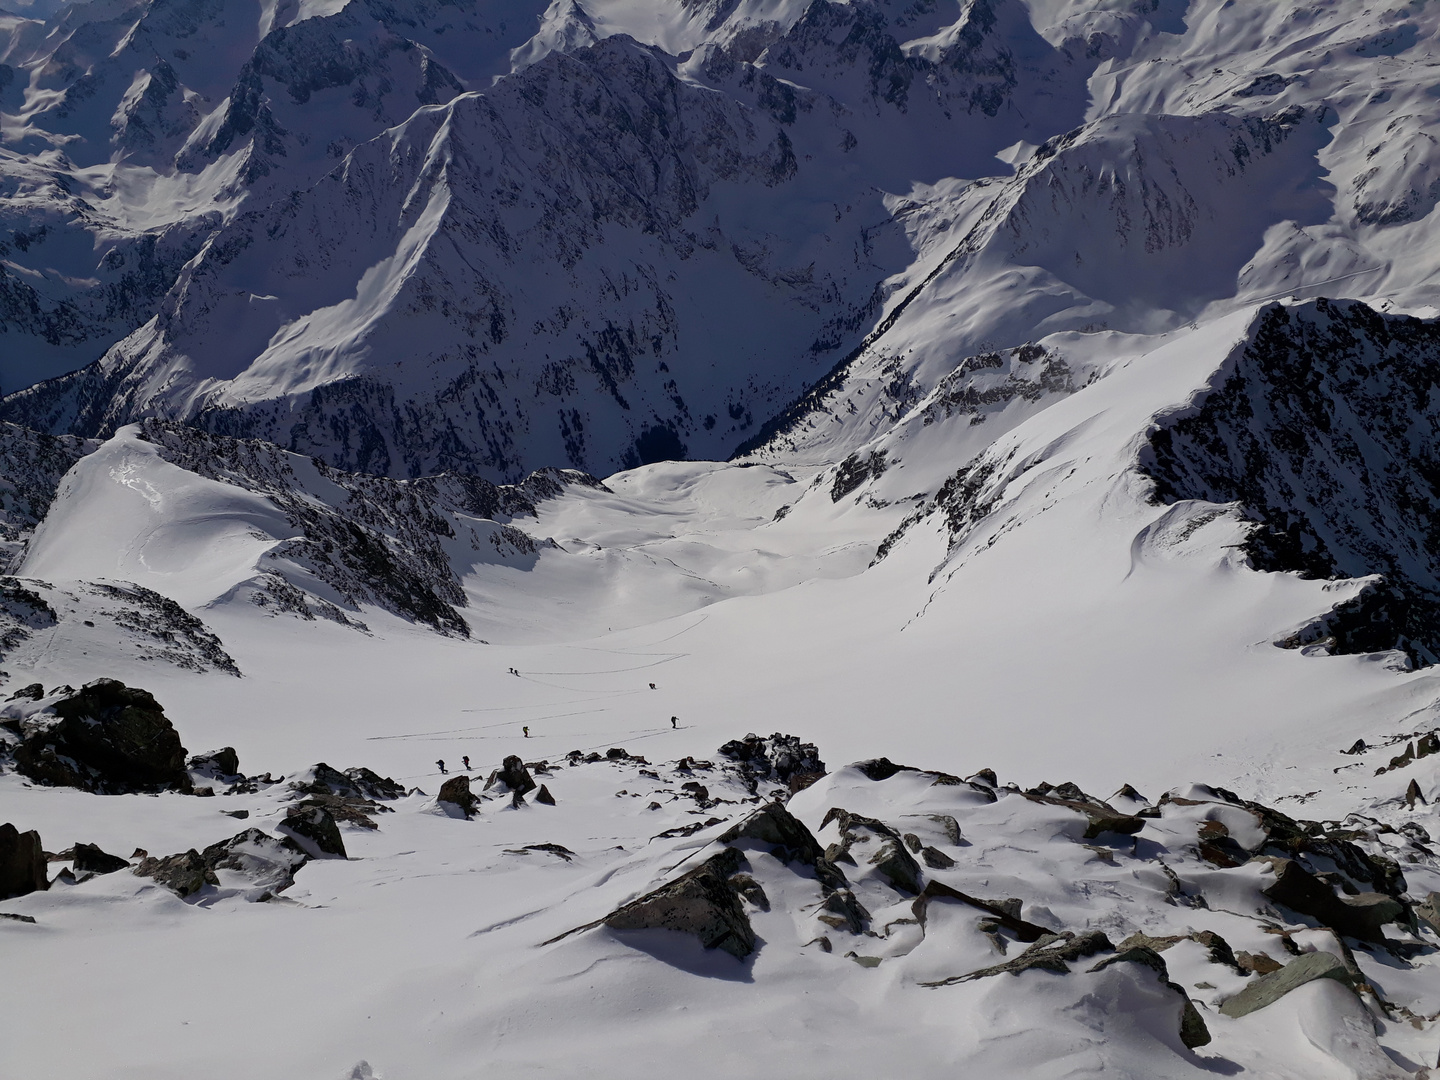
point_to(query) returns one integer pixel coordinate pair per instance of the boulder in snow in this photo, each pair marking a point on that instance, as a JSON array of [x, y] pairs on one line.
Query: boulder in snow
[[108, 738], [456, 799], [704, 902], [89, 859], [315, 831], [22, 862], [1268, 989]]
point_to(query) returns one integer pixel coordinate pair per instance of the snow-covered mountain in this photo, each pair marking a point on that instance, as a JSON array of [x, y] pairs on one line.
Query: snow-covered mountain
[[759, 537], [411, 238]]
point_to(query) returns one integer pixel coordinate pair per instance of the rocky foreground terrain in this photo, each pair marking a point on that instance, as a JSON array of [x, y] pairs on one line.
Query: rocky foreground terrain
[[1177, 934]]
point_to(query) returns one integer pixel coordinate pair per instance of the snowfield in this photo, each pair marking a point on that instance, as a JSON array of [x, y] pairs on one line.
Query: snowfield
[[762, 538]]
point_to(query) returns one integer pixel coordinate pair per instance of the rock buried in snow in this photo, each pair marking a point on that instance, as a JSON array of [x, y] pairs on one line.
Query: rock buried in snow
[[544, 797], [896, 866], [108, 738], [1193, 1031], [222, 762], [89, 859], [1101, 816], [356, 783], [936, 859], [22, 862], [315, 831], [1267, 989], [514, 775], [1429, 911], [456, 799], [773, 824], [703, 902], [268, 861], [1005, 914], [184, 874], [1053, 952]]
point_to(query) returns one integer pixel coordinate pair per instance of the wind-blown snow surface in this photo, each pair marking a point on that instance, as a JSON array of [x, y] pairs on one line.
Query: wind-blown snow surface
[[1053, 620]]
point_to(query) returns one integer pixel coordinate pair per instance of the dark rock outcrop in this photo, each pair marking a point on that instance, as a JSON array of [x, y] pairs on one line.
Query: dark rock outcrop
[[352, 797], [22, 862], [1360, 916], [222, 762], [456, 793], [89, 859], [315, 831], [185, 874], [704, 902], [781, 758], [897, 866], [268, 861], [1217, 947], [108, 738], [1101, 816], [514, 775], [774, 824], [356, 783], [883, 769], [1001, 916], [1321, 428]]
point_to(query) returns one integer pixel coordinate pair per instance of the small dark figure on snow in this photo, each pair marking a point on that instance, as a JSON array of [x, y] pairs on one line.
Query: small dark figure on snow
[[526, 730], [652, 686], [465, 760], [440, 764], [674, 721]]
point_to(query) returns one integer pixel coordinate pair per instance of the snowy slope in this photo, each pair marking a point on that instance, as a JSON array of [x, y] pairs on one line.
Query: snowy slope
[[1057, 484], [1079, 631]]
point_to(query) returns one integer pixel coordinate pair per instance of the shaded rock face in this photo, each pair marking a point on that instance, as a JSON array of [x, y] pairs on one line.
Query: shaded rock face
[[456, 792], [781, 758], [22, 862], [89, 859], [315, 831], [1321, 427], [773, 824], [109, 739], [514, 775], [703, 902], [896, 866], [1359, 916], [889, 858], [222, 762]]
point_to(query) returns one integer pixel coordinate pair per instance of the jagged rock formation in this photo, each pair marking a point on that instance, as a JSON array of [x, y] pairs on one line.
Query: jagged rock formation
[[350, 540], [1321, 428]]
